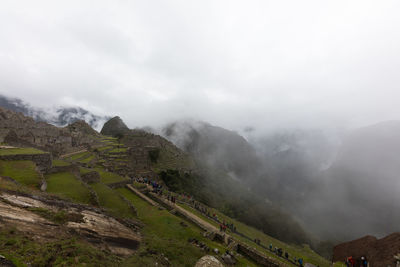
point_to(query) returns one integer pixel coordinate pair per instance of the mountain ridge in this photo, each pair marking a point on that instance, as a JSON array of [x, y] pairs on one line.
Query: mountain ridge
[[58, 116]]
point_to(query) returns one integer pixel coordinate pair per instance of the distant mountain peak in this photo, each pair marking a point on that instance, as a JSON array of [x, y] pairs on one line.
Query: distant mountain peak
[[59, 116], [114, 126]]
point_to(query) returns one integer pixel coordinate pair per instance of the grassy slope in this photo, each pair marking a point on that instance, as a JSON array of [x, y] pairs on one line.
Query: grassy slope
[[66, 185], [15, 151], [104, 148], [58, 162], [164, 233], [78, 156], [118, 150], [22, 171], [21, 249], [167, 160], [300, 252], [109, 177], [112, 201], [88, 159]]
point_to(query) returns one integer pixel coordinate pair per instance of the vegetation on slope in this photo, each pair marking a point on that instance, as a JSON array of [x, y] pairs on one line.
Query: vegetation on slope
[[59, 163], [21, 249], [109, 177], [164, 232], [64, 184], [22, 171], [20, 150], [111, 200], [225, 194]]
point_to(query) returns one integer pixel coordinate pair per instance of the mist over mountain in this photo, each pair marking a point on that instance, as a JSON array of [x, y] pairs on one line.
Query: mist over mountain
[[361, 188], [322, 178], [215, 146], [59, 116]]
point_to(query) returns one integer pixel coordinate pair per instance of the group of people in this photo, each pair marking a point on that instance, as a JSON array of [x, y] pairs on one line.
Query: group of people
[[171, 198], [157, 188], [279, 252], [360, 262], [204, 210], [223, 226]]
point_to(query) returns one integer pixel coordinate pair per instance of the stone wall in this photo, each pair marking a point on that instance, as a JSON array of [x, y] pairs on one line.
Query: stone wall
[[42, 161], [120, 184], [256, 256], [19, 130], [91, 177], [379, 252], [68, 168]]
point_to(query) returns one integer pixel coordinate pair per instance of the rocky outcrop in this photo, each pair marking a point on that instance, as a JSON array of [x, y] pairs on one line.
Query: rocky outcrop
[[42, 161], [19, 130], [379, 252], [114, 127], [91, 224], [208, 261]]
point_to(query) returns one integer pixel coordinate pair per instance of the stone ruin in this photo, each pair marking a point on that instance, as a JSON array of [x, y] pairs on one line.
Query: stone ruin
[[19, 130], [379, 252]]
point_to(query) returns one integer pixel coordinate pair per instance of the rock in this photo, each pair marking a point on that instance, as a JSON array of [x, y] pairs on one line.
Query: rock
[[19, 130], [228, 259], [114, 127], [208, 261], [98, 228], [6, 263]]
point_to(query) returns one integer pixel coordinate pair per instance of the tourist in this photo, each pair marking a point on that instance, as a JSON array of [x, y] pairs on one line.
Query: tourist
[[364, 262]]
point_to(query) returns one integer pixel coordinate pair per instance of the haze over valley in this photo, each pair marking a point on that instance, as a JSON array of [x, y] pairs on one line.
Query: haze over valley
[[278, 117]]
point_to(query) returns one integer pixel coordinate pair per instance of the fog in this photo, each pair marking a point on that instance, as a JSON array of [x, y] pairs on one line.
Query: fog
[[295, 78], [260, 64]]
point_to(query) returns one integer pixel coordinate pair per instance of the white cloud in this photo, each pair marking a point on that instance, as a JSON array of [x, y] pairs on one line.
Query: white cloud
[[275, 63]]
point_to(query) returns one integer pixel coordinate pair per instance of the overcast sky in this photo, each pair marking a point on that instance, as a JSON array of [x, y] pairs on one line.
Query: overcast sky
[[232, 63]]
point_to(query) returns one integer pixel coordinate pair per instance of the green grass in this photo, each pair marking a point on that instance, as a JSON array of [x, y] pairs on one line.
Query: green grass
[[298, 251], [111, 200], [167, 159], [21, 249], [109, 177], [64, 184], [139, 185], [22, 171], [109, 138], [118, 150], [164, 233], [87, 160], [58, 163], [17, 151], [104, 148], [78, 156], [83, 170]]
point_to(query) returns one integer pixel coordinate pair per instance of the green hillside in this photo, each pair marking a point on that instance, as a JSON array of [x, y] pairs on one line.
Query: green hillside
[[165, 234]]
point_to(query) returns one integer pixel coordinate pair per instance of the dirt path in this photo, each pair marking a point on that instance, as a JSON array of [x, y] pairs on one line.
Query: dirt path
[[257, 256], [189, 215], [141, 195], [197, 220]]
